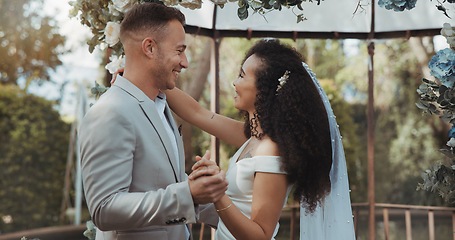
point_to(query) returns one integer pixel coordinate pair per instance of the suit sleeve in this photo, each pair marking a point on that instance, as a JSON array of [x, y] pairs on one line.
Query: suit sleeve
[[207, 214], [107, 146]]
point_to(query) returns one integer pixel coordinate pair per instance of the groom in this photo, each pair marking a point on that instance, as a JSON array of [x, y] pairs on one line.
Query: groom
[[131, 149]]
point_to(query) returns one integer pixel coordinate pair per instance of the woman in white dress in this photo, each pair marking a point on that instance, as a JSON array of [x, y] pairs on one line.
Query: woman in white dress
[[286, 142]]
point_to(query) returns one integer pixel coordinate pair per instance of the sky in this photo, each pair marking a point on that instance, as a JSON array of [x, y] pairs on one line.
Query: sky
[[79, 66]]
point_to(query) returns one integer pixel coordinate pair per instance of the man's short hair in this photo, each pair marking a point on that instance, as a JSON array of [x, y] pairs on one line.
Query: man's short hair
[[149, 18]]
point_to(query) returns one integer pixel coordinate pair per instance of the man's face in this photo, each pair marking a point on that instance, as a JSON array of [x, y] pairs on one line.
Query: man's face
[[171, 58]]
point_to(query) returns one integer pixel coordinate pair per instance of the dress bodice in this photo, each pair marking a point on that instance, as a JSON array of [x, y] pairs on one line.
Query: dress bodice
[[240, 175]]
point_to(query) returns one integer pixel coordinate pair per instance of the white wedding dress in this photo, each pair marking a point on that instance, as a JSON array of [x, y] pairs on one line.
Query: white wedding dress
[[240, 176]]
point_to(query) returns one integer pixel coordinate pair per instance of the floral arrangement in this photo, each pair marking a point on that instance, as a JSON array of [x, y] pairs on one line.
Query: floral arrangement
[[401, 5], [438, 97], [103, 17], [397, 5]]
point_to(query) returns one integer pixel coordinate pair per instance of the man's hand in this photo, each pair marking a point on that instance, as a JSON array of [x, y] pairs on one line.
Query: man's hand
[[208, 189], [203, 167], [207, 182]]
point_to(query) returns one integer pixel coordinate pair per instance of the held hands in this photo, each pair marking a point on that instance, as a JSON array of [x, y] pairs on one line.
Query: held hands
[[203, 167], [207, 183]]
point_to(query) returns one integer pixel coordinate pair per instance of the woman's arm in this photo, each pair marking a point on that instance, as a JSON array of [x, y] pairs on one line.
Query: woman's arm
[[269, 194], [224, 128], [268, 198]]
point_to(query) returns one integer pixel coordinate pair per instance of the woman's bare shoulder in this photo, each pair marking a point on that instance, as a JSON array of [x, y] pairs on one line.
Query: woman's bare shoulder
[[267, 147]]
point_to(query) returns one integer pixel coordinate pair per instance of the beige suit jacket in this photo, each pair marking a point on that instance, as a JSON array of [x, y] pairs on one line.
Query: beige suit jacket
[[131, 183]]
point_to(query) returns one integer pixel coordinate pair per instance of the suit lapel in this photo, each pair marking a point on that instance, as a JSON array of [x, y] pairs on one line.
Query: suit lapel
[[148, 106], [149, 109]]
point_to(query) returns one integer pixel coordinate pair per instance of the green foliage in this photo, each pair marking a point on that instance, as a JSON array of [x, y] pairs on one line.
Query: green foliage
[[405, 142], [351, 141], [30, 42], [264, 6], [33, 149]]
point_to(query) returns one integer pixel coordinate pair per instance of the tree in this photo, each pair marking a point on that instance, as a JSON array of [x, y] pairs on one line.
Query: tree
[[405, 142], [30, 42], [33, 149]]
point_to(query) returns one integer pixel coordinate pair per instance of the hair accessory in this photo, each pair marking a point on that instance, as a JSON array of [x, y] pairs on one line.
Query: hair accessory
[[282, 80]]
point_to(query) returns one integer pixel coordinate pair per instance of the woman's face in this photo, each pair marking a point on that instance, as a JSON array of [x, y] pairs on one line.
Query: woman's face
[[245, 85]]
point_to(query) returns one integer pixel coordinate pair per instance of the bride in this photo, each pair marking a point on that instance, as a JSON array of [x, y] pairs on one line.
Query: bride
[[288, 141]]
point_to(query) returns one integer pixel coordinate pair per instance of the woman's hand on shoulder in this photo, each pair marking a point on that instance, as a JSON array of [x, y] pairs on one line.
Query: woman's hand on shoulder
[[114, 76]]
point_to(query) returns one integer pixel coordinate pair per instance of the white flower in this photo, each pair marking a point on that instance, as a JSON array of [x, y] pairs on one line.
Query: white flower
[[451, 142], [115, 64], [75, 7], [112, 33], [113, 10]]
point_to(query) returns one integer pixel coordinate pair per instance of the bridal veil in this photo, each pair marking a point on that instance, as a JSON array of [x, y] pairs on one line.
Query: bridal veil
[[332, 220]]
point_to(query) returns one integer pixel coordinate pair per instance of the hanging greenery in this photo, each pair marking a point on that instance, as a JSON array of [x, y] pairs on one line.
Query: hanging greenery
[[437, 97]]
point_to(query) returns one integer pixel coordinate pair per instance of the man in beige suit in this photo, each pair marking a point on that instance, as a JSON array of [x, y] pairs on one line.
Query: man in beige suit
[[131, 149]]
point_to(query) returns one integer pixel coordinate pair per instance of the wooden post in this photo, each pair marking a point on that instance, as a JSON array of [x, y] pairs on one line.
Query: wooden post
[[408, 224], [431, 224], [370, 144], [215, 89], [453, 225], [201, 232], [385, 215]]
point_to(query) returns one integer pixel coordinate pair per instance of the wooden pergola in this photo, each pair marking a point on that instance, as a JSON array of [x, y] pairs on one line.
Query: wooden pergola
[[332, 19]]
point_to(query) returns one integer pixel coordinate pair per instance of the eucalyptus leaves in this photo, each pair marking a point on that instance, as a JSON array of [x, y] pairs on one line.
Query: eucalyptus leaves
[[90, 232], [438, 97], [103, 16]]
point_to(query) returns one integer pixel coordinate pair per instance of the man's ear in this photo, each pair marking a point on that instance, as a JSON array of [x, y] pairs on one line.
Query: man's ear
[[149, 47]]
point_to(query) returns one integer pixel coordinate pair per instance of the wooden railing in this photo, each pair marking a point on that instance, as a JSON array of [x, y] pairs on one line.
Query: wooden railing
[[387, 215], [419, 222], [400, 212]]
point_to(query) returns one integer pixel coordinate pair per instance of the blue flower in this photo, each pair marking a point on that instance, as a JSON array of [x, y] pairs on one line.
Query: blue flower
[[451, 133], [442, 67], [397, 5]]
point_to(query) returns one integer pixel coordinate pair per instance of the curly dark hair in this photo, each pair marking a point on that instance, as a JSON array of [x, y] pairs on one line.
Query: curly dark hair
[[295, 119]]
